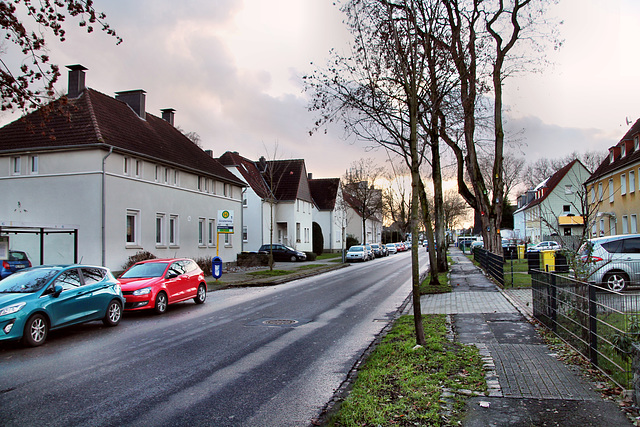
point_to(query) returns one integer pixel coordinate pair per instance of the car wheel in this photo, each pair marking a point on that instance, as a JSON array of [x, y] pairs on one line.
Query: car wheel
[[202, 294], [293, 258], [114, 314], [616, 280], [35, 331], [161, 303]]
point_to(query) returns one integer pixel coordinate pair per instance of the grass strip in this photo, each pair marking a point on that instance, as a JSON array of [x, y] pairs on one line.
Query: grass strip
[[400, 385], [270, 273], [443, 287]]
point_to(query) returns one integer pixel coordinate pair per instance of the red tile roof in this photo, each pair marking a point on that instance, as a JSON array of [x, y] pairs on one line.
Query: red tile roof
[[249, 171], [325, 192], [95, 120]]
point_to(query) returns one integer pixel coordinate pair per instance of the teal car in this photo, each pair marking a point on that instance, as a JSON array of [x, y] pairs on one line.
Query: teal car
[[36, 300]]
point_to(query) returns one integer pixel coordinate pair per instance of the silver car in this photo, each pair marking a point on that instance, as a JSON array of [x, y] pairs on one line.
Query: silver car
[[613, 261], [357, 253]]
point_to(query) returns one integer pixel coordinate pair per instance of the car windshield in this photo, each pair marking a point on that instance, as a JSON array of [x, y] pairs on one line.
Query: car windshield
[[146, 270], [17, 256], [27, 281], [356, 249], [290, 248]]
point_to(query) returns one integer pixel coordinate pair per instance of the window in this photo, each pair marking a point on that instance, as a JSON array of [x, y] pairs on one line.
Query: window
[[602, 227], [125, 166], [213, 187], [636, 143], [623, 149], [566, 208], [227, 239], [133, 225], [623, 184], [297, 205], [173, 230], [297, 232], [92, 275], [245, 234], [567, 231], [33, 165], [244, 200], [160, 227], [15, 165], [593, 194], [600, 192], [568, 189], [306, 235], [633, 225], [69, 279], [138, 168], [158, 171], [201, 231], [612, 227], [212, 232], [611, 190], [625, 224], [226, 190], [199, 183], [632, 181], [175, 177], [166, 175]]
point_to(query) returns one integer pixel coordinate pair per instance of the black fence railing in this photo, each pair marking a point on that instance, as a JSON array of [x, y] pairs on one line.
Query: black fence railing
[[598, 323], [491, 263]]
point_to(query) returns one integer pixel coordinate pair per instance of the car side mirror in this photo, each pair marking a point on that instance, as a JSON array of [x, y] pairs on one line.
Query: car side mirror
[[172, 275], [57, 290]]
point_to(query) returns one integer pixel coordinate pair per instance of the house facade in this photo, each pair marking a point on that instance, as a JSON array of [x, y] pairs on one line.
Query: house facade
[[614, 186], [329, 212], [122, 179], [365, 230], [553, 207], [277, 205]]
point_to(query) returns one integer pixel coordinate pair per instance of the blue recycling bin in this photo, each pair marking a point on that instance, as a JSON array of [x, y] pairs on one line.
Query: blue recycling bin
[[216, 267]]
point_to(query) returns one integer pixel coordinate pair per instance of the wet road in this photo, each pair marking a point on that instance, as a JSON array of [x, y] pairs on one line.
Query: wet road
[[269, 356]]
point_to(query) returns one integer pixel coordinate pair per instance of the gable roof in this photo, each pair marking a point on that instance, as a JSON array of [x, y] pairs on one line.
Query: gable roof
[[95, 120], [289, 179], [324, 192], [631, 156], [548, 185], [249, 171]]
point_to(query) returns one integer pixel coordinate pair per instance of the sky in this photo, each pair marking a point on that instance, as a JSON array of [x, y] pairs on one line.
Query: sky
[[232, 70]]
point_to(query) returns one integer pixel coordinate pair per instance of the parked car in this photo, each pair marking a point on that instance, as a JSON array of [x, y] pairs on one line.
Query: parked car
[[357, 253], [17, 261], [157, 283], [392, 248], [378, 250], [36, 300], [546, 245], [369, 250], [283, 252], [613, 261]]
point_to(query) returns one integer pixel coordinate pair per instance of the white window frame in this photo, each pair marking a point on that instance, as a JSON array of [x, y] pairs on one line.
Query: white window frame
[[632, 181], [201, 231], [623, 184], [126, 166], [166, 175], [610, 190], [568, 189], [15, 165], [633, 225], [138, 170], [176, 177], [228, 241], [133, 238], [623, 149], [161, 226], [212, 233], [33, 164], [158, 171], [600, 192], [245, 234], [636, 143], [174, 230], [625, 224], [593, 193]]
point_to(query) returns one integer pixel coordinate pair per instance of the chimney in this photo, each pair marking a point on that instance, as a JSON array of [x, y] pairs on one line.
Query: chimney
[[209, 152], [76, 80], [309, 176], [134, 99], [168, 114]]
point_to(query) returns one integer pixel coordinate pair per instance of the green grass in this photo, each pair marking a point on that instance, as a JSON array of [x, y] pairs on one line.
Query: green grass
[[270, 273], [309, 267], [330, 256], [444, 287], [400, 385], [520, 278]]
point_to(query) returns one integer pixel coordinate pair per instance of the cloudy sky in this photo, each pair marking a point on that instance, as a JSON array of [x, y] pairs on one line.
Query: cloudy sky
[[232, 71]]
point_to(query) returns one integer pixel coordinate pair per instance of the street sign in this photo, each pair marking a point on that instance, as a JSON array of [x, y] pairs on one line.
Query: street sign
[[225, 221]]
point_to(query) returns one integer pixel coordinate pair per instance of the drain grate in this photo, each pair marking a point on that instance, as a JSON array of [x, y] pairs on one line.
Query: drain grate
[[279, 322]]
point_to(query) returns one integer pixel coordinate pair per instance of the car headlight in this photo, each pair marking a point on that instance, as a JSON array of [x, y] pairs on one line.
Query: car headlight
[[12, 308], [142, 291]]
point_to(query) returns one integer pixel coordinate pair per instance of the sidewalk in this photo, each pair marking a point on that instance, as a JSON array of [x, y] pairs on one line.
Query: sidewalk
[[528, 385]]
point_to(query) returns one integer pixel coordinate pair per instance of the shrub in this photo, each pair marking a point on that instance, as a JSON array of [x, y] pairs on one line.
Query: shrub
[[318, 239], [351, 241], [137, 257], [311, 256], [205, 265]]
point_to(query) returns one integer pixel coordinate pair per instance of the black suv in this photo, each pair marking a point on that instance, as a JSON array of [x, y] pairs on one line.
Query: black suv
[[283, 252]]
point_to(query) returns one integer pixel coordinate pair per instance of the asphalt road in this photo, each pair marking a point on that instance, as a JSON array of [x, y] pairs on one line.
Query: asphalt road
[[270, 356]]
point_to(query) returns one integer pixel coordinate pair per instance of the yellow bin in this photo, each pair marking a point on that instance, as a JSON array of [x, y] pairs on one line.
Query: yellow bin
[[521, 251], [548, 258]]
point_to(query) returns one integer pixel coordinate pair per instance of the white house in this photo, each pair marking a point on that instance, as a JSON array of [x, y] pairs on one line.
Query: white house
[[330, 212], [362, 224], [277, 205], [119, 179]]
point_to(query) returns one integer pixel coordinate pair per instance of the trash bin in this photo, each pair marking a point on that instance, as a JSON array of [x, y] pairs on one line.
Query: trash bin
[[216, 267], [521, 251], [548, 259], [562, 266], [533, 260]]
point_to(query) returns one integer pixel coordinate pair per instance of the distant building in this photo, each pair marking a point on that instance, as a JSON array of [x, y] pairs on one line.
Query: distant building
[[121, 179], [329, 212], [614, 187]]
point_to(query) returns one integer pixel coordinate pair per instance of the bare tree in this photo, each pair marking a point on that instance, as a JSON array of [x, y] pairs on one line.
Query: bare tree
[[20, 84], [455, 208], [359, 184]]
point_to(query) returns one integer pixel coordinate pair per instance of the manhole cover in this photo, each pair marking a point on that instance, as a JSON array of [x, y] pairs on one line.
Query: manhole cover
[[280, 322]]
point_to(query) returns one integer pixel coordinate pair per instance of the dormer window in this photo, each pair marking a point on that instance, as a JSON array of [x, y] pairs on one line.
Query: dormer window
[[611, 156], [623, 149], [636, 143]]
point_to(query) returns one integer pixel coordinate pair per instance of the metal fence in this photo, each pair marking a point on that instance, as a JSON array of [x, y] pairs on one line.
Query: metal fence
[[598, 323], [491, 263]]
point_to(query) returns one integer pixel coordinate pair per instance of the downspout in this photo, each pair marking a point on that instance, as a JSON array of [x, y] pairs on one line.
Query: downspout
[[242, 195], [104, 214]]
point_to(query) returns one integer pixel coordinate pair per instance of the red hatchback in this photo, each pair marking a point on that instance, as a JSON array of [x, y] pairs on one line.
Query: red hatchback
[[156, 283]]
